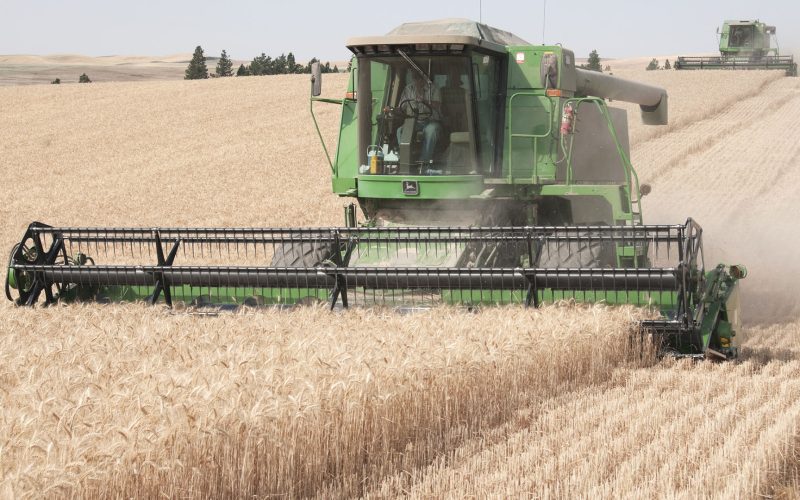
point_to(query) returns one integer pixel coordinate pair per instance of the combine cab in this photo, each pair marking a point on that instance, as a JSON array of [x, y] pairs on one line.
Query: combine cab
[[743, 45], [487, 171]]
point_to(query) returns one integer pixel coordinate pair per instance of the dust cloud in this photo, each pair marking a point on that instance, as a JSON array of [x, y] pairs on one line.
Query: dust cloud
[[770, 249], [736, 172], [763, 235]]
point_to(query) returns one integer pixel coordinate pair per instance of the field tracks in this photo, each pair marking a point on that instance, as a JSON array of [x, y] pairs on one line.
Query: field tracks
[[734, 119], [704, 422], [703, 109]]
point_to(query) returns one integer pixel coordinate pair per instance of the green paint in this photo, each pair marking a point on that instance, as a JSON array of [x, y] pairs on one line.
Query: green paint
[[430, 187]]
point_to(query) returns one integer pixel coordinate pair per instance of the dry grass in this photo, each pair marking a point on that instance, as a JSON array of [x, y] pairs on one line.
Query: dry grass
[[224, 152], [678, 430], [130, 401]]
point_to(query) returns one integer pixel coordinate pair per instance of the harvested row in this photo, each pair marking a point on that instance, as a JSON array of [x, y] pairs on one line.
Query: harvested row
[[693, 96], [729, 130], [131, 401], [669, 431]]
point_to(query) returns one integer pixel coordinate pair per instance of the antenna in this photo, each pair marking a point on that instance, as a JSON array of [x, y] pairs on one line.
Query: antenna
[[544, 18], [480, 11]]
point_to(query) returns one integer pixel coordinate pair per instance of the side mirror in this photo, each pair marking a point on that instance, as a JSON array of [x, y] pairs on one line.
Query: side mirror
[[316, 80], [645, 189]]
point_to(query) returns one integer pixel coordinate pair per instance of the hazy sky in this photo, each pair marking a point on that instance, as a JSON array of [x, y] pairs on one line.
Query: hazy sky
[[616, 28]]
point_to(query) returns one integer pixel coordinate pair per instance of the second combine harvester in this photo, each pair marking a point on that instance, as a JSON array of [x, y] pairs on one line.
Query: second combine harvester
[[743, 45], [488, 171]]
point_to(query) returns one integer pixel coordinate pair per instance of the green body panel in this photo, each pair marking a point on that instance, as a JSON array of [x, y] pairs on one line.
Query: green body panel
[[719, 325], [529, 151], [344, 167], [524, 74], [430, 187], [530, 155], [345, 186]]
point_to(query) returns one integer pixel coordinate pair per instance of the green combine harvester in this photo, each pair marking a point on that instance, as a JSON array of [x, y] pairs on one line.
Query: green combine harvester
[[743, 45], [487, 171]]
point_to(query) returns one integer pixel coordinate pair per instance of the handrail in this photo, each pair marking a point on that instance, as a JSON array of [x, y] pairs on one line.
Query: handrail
[[534, 137], [316, 125], [631, 177]]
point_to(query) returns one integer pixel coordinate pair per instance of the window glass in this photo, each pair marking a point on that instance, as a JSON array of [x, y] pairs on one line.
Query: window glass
[[421, 115]]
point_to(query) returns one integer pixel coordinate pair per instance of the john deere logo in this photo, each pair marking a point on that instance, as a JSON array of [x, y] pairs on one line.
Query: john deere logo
[[410, 188]]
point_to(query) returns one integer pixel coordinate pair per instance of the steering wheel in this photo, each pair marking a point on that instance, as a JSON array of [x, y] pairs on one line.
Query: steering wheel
[[412, 108]]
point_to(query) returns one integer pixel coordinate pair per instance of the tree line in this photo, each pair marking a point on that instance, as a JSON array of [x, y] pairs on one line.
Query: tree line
[[84, 78], [653, 65], [260, 65], [593, 64]]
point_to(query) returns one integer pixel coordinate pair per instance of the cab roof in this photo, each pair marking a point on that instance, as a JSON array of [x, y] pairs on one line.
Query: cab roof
[[441, 31]]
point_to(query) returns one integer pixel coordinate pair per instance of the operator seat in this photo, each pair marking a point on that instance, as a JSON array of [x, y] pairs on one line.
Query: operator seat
[[454, 110]]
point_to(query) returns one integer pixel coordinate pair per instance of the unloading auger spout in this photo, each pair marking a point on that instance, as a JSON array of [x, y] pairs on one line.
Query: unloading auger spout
[[651, 99]]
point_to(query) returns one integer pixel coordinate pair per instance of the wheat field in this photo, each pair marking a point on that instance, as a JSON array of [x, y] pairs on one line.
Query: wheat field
[[675, 430], [102, 401], [136, 402]]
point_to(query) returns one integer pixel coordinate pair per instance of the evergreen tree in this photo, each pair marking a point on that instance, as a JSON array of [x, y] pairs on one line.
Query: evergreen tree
[[326, 68], [667, 65], [261, 65], [291, 64], [279, 67], [593, 64], [56, 81], [197, 69], [335, 68], [224, 65], [243, 70], [653, 65], [84, 78], [255, 65]]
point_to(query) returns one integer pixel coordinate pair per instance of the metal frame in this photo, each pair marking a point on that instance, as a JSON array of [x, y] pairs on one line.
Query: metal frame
[[338, 275]]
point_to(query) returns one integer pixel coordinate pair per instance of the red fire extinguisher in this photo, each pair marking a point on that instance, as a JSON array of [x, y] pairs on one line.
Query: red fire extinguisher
[[568, 119]]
